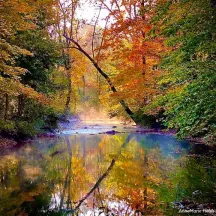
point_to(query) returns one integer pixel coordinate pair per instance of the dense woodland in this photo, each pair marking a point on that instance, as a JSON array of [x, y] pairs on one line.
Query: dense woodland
[[150, 61]]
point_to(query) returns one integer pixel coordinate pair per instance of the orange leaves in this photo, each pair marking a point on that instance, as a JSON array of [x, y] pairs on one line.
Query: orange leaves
[[134, 52], [31, 93]]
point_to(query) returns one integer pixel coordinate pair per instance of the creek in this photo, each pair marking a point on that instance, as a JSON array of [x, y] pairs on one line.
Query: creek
[[105, 169]]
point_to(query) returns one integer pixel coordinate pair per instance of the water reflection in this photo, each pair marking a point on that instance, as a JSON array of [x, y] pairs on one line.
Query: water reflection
[[124, 174]]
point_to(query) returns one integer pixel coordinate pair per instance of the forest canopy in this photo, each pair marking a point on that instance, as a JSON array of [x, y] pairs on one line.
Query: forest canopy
[[151, 62]]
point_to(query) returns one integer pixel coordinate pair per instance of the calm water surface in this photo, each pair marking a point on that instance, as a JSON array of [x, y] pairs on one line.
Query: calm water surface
[[102, 174]]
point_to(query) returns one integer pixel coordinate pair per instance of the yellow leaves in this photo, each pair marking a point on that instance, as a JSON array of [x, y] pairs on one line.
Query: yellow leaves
[[8, 54], [78, 170], [5, 55], [15, 15], [14, 87], [12, 71], [31, 93], [31, 172], [9, 86], [8, 162], [79, 67], [80, 178]]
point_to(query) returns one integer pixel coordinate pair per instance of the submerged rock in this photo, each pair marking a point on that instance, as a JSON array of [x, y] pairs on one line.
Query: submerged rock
[[112, 132]]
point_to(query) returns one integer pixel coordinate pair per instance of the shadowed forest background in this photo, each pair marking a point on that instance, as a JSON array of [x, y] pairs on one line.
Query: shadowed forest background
[[152, 62]]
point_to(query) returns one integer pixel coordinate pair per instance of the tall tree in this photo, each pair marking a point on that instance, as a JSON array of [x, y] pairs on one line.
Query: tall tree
[[15, 16], [189, 66], [74, 38], [135, 54]]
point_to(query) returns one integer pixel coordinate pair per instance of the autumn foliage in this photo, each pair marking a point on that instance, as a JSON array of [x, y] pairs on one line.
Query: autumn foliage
[[147, 61]]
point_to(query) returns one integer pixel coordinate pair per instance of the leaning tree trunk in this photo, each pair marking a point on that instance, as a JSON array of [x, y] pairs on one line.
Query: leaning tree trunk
[[106, 77]]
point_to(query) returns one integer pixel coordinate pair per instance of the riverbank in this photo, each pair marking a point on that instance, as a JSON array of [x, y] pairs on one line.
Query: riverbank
[[40, 172], [7, 142], [75, 126]]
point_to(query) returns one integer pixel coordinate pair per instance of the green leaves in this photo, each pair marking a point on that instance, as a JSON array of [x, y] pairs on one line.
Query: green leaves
[[189, 84]]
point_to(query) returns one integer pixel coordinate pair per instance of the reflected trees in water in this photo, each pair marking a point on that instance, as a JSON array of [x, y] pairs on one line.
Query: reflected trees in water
[[102, 174]]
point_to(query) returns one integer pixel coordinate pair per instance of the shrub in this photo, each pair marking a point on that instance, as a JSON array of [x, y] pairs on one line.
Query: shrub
[[25, 129], [150, 121], [51, 118], [7, 127]]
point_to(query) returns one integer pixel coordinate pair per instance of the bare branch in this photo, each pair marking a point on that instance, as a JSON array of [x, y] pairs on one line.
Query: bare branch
[[93, 35], [77, 27], [102, 39], [109, 9], [117, 5], [64, 18]]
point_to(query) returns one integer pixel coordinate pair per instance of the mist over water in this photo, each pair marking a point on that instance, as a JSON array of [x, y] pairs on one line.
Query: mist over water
[[99, 116]]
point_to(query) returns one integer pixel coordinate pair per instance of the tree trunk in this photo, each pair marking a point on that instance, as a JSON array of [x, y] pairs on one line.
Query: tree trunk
[[84, 88], [20, 105], [145, 175], [142, 11], [122, 102], [106, 77], [69, 172], [67, 104], [99, 84], [6, 106], [67, 64]]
